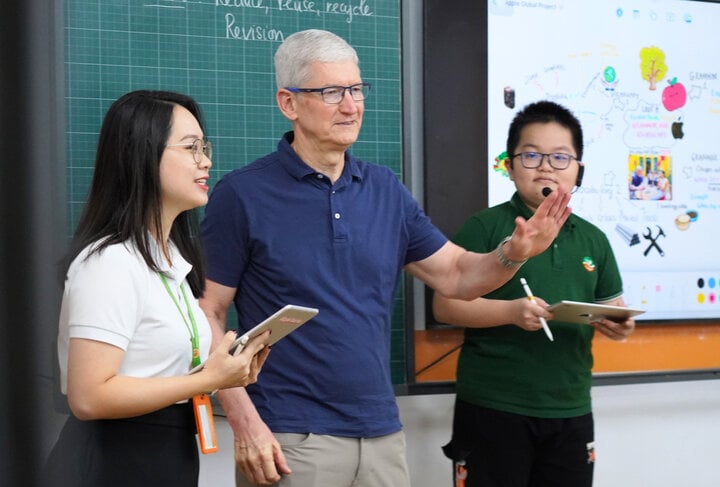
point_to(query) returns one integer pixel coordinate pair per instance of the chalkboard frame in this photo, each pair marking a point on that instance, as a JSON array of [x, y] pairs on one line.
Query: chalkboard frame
[[115, 47]]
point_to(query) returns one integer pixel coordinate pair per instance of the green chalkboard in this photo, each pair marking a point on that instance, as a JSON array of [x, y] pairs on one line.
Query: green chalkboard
[[220, 52]]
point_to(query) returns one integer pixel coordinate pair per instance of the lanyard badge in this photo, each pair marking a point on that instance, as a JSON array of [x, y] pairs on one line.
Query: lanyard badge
[[202, 407], [205, 423]]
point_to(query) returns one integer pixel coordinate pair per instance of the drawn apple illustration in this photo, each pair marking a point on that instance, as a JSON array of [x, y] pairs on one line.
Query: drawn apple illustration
[[674, 95]]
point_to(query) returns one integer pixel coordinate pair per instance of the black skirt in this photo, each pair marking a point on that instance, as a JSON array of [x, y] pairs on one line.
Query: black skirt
[[157, 449]]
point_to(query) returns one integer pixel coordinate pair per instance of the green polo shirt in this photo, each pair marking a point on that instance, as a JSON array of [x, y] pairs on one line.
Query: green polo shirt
[[513, 370]]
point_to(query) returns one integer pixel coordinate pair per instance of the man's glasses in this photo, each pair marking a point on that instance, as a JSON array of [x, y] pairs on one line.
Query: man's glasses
[[198, 148], [533, 160], [334, 94]]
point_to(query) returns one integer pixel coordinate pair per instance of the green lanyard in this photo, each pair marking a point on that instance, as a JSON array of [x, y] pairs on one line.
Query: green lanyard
[[194, 336]]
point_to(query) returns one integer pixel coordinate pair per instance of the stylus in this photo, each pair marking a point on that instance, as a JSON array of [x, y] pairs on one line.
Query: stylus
[[532, 298]]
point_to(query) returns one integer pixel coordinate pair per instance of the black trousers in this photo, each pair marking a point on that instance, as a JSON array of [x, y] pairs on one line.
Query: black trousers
[[510, 450], [157, 449]]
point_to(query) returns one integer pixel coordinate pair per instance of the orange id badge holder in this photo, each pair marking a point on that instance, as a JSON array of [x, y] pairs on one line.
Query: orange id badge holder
[[205, 423]]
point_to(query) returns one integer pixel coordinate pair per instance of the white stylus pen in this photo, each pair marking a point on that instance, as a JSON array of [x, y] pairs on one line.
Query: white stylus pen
[[532, 298]]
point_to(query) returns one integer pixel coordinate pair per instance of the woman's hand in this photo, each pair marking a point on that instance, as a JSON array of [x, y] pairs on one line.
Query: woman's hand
[[240, 370]]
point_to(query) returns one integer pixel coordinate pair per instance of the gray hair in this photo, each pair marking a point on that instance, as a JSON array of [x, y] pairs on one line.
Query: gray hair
[[295, 55]]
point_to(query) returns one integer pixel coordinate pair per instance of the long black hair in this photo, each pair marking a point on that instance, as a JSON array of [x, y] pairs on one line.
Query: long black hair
[[124, 201]]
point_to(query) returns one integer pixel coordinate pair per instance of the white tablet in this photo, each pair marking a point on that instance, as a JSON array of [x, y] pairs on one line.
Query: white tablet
[[281, 323], [578, 312]]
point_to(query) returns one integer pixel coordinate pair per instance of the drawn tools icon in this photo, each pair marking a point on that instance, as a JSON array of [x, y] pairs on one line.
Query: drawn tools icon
[[653, 240], [630, 237]]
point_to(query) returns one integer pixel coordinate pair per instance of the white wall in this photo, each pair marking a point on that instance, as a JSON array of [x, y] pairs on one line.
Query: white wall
[[658, 435], [647, 435]]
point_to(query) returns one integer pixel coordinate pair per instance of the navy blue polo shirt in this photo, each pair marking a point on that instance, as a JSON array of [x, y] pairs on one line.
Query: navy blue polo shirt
[[282, 233]]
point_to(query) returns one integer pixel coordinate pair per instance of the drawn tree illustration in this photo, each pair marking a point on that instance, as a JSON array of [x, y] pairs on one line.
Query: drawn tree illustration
[[652, 65]]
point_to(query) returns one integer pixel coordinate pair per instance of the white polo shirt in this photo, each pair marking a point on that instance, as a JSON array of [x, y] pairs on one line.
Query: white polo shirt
[[113, 297]]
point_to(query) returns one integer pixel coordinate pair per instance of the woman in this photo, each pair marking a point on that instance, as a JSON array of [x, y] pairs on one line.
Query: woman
[[130, 324]]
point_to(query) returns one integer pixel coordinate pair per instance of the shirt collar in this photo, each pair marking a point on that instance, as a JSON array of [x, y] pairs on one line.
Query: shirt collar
[[180, 267], [520, 207], [523, 210], [299, 169]]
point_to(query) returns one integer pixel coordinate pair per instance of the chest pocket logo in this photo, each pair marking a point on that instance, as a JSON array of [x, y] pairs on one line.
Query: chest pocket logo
[[588, 264]]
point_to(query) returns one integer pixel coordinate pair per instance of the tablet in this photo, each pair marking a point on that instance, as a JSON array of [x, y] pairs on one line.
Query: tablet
[[280, 324], [577, 312]]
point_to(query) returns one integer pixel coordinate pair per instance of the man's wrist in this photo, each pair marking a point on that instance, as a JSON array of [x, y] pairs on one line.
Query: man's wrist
[[503, 258]]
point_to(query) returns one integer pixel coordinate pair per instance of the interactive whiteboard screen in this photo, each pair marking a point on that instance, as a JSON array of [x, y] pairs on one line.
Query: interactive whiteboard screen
[[643, 78]]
